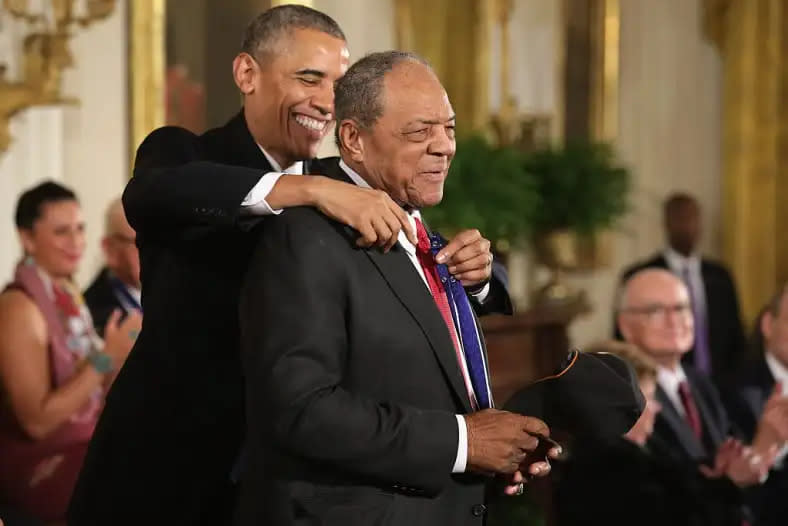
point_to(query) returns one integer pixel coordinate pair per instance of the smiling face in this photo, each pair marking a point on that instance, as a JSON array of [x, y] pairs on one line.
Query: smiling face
[[289, 94], [408, 150], [56, 240]]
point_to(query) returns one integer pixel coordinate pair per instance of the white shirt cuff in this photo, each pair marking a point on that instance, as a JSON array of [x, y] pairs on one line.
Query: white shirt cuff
[[462, 446], [254, 203], [482, 294]]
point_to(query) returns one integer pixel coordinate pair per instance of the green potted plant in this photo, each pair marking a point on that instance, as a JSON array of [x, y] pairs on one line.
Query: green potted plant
[[489, 189], [583, 191]]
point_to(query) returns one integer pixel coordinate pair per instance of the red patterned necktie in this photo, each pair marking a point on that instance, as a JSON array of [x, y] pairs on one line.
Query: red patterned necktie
[[691, 410], [441, 301]]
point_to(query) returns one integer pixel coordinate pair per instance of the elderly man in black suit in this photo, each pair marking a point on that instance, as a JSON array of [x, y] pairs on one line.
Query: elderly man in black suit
[[368, 398], [172, 429], [758, 404], [719, 343], [693, 427]]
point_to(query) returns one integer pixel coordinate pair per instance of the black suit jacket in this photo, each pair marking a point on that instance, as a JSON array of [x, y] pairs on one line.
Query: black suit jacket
[[673, 436], [622, 484], [101, 300], [352, 385], [745, 401], [173, 421], [726, 335]]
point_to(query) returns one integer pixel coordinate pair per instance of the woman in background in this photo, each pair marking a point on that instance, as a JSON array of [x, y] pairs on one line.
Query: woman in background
[[54, 369]]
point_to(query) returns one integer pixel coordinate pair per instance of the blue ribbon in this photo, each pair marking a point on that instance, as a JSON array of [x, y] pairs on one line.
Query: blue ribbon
[[467, 330]]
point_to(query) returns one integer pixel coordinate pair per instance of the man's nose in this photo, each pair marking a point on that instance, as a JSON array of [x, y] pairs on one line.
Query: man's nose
[[323, 100], [443, 143]]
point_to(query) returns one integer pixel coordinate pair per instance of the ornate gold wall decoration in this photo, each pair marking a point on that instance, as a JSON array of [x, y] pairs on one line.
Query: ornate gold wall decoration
[[45, 55]]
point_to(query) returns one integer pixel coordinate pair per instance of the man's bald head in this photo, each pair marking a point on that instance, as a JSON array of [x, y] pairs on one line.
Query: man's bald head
[[655, 314], [120, 249]]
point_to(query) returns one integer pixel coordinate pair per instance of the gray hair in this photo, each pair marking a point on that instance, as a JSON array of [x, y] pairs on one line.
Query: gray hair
[[358, 95], [264, 32]]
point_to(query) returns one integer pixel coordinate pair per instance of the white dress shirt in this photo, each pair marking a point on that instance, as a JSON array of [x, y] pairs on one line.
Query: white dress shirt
[[255, 201], [669, 380], [780, 374], [462, 444]]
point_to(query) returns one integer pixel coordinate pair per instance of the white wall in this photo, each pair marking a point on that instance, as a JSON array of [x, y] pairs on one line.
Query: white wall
[[669, 135], [84, 146]]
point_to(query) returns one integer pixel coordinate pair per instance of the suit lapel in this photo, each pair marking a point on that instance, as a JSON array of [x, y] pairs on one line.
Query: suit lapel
[[407, 285], [679, 426]]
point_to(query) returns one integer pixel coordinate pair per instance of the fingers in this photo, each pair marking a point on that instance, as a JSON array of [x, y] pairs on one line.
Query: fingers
[[539, 469], [383, 231], [462, 239], [514, 483], [534, 426], [402, 218], [478, 262], [478, 247]]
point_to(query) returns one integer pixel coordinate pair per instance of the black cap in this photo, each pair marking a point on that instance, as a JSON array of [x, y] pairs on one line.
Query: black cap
[[594, 395]]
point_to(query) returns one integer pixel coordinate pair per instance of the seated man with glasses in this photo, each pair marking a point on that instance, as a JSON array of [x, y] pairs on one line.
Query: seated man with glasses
[[117, 286], [655, 314]]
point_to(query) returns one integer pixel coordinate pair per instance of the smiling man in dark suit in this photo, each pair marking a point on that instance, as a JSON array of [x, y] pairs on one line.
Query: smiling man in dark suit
[[368, 398]]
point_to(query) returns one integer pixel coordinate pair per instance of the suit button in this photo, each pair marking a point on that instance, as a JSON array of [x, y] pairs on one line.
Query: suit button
[[478, 510]]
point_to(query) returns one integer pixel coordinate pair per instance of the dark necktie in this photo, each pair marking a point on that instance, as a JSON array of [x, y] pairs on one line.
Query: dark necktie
[[691, 410], [428, 265]]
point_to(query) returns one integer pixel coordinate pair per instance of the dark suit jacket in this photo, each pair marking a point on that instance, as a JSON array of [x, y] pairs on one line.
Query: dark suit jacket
[[164, 446], [101, 300], [745, 401], [622, 484], [352, 386], [673, 436], [726, 335]]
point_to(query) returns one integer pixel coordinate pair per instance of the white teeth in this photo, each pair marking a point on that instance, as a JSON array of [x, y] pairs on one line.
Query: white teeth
[[312, 124]]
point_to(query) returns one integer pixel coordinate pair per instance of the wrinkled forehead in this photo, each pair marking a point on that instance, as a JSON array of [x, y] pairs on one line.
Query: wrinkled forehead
[[658, 291], [412, 92]]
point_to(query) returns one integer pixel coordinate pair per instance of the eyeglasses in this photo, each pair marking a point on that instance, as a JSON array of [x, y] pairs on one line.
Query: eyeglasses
[[657, 312]]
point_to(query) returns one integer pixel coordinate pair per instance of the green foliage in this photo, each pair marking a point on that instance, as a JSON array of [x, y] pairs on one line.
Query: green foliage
[[487, 189], [580, 188]]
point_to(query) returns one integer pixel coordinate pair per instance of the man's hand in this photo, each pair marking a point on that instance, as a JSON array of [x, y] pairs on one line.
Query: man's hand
[[468, 257], [773, 424], [740, 463], [499, 442], [372, 212], [722, 459]]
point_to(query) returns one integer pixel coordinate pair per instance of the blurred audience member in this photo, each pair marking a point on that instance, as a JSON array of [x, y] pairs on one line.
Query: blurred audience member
[[693, 427], [117, 285], [719, 343], [54, 369], [757, 404], [622, 482]]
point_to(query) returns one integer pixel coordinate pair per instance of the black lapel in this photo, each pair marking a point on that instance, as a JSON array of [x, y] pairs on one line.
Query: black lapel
[[405, 282], [407, 285], [679, 426], [240, 146]]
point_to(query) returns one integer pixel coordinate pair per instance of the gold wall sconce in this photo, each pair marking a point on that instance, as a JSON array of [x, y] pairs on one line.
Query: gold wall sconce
[[45, 54]]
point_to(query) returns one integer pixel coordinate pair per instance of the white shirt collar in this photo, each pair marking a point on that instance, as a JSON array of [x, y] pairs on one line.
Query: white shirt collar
[[669, 380], [412, 216], [295, 168], [678, 262], [778, 370]]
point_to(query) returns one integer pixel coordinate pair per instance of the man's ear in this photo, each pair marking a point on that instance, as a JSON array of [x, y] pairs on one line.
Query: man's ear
[[350, 139], [767, 321], [245, 69], [623, 327]]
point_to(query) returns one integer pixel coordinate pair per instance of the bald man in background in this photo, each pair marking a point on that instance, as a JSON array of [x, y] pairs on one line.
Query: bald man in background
[[117, 286]]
